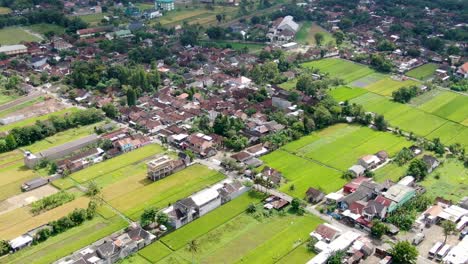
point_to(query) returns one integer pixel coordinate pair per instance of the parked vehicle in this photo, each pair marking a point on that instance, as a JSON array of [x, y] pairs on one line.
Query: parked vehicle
[[418, 238], [443, 252], [435, 249]]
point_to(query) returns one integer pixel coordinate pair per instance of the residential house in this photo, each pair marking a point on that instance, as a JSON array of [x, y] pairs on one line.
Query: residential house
[[463, 70], [202, 145], [314, 196], [163, 166], [399, 194], [186, 210], [431, 162], [366, 191], [357, 170], [326, 232], [271, 175], [369, 161]]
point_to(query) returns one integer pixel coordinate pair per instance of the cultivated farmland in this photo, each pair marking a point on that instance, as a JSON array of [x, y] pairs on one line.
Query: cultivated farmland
[[387, 86], [116, 163], [346, 70], [163, 192], [248, 240], [228, 235], [66, 243], [423, 72], [343, 93], [319, 159]]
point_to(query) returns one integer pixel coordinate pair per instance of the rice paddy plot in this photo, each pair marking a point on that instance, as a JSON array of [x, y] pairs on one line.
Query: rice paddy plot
[[423, 72], [367, 80], [448, 132], [344, 93], [303, 173], [387, 86], [346, 70], [418, 122]]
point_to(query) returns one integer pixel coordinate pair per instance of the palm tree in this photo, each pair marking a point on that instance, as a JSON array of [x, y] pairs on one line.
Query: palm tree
[[192, 247]]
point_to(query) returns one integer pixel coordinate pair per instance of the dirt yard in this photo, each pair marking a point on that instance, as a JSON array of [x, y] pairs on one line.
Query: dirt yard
[[26, 198]]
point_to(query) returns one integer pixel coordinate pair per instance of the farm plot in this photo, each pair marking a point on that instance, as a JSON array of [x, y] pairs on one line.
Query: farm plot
[[387, 86], [68, 242], [201, 16], [401, 115], [179, 238], [344, 93], [367, 80], [12, 173], [448, 132], [23, 222], [4, 98], [116, 163], [319, 159], [15, 35], [423, 72], [43, 28], [346, 70], [248, 240], [163, 192], [448, 105], [20, 106], [303, 173]]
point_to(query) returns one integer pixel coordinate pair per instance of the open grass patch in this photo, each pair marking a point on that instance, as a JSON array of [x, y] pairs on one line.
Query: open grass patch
[[423, 72], [15, 35], [450, 180], [93, 19], [116, 163], [306, 34], [5, 98], [166, 191], [4, 10], [43, 28], [367, 80]]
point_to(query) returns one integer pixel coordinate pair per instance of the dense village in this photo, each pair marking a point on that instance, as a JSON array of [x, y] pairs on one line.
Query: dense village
[[165, 131]]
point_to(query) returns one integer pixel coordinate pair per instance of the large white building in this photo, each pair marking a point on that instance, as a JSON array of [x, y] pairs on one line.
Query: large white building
[[283, 30], [14, 49]]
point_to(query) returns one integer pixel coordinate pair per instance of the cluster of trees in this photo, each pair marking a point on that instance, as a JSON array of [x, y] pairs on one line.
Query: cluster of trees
[[460, 86], [405, 216], [217, 32], [380, 63], [386, 45], [266, 73], [4, 247], [378, 229], [417, 169], [405, 94], [51, 202], [75, 218], [23, 136], [311, 87], [403, 156], [403, 252], [151, 215], [94, 75], [50, 16]]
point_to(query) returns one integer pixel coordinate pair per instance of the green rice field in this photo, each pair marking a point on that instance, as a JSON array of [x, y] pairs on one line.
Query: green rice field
[[423, 72], [346, 70], [163, 192], [318, 160], [387, 86], [344, 93], [227, 235]]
